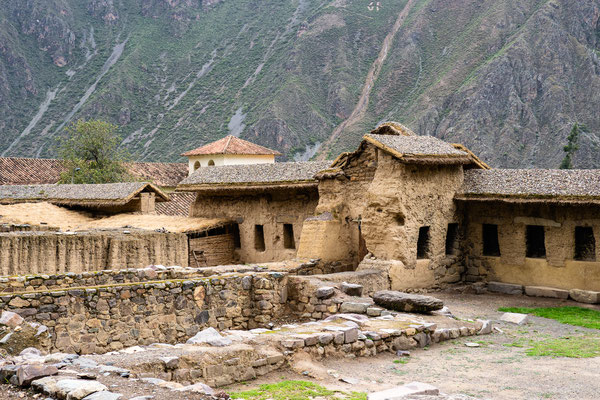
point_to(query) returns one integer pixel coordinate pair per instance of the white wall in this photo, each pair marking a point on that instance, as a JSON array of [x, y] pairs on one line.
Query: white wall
[[228, 159]]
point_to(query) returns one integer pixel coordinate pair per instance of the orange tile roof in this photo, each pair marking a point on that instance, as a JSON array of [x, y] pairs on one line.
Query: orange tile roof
[[36, 171], [231, 145]]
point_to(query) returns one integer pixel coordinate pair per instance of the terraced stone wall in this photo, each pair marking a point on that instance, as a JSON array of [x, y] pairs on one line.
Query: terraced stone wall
[[97, 319]]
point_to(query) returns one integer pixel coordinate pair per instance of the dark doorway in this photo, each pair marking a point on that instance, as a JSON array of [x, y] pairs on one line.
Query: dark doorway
[[585, 243], [259, 238], [535, 238], [423, 243], [491, 246]]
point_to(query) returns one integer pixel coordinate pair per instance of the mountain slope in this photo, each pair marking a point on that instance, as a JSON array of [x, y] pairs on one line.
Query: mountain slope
[[505, 77]]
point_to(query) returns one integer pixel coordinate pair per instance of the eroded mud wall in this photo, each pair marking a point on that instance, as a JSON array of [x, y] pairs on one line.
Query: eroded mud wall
[[270, 210], [558, 268], [23, 253]]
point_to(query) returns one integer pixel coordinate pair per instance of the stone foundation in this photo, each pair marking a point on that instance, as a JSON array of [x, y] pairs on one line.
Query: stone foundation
[[103, 318]]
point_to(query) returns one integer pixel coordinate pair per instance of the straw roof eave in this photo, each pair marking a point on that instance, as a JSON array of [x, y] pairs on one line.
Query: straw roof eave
[[247, 186], [419, 158], [474, 159], [528, 198]]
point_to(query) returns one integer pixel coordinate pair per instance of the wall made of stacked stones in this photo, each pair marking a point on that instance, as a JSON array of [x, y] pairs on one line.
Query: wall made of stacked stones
[[100, 319]]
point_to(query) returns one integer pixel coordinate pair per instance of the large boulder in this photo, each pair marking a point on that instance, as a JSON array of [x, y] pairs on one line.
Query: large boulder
[[406, 302], [28, 373]]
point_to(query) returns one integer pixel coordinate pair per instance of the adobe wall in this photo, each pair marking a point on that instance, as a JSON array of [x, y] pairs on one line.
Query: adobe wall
[[558, 269], [391, 201], [97, 319], [23, 253], [333, 235], [270, 209]]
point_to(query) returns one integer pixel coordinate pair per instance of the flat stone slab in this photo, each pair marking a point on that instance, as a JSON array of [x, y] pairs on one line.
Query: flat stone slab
[[410, 389], [585, 296], [352, 289], [209, 336], [515, 318], [506, 288], [406, 302], [543, 291]]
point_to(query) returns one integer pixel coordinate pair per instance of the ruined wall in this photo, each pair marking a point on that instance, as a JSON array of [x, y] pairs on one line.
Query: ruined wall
[[26, 253], [99, 319], [391, 201], [335, 233], [270, 209], [557, 269]]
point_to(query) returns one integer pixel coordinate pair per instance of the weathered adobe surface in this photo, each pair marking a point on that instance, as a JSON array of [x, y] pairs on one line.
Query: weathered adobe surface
[[392, 201], [99, 319], [271, 210], [558, 269], [49, 252]]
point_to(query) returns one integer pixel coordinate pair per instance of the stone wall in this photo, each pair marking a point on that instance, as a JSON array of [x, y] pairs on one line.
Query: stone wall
[[24, 253], [99, 319], [270, 209], [557, 269]]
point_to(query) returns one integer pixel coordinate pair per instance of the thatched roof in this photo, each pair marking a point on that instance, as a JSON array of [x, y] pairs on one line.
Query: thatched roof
[[170, 223], [231, 145], [72, 220], [476, 162], [84, 195], [180, 204], [418, 149], [274, 174], [532, 185], [392, 128], [38, 171]]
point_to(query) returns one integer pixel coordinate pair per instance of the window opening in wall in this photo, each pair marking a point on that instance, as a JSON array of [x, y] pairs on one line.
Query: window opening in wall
[[196, 165], [491, 246], [423, 243], [235, 231], [259, 238], [535, 240], [585, 243], [452, 239], [288, 236], [211, 163]]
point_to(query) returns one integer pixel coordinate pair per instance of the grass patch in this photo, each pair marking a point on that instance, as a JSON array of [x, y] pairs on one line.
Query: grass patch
[[567, 315], [401, 361], [295, 390], [573, 347]]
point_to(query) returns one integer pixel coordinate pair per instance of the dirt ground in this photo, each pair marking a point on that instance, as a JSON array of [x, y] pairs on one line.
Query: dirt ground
[[492, 371], [495, 370]]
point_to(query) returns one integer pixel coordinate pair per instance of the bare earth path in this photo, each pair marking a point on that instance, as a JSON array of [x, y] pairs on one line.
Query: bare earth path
[[363, 101], [492, 371]]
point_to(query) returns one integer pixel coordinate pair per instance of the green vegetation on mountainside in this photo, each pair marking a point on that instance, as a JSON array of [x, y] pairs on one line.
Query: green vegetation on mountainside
[[490, 74]]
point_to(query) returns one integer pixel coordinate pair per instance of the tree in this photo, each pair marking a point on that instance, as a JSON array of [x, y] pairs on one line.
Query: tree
[[91, 152], [572, 146]]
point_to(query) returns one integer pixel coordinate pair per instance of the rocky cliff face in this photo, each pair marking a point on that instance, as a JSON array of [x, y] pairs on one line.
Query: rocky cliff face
[[507, 78]]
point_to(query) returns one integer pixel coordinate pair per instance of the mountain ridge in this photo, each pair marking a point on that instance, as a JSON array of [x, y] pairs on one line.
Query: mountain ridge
[[505, 78]]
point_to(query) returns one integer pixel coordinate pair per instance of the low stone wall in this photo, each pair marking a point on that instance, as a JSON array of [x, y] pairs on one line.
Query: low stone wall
[[23, 253], [304, 302], [100, 319], [30, 283]]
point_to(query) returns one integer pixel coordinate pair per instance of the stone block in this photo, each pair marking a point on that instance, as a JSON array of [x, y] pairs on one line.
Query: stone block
[[324, 292], [28, 373], [585, 296], [543, 291], [374, 311], [10, 319], [400, 392], [515, 318], [352, 289], [350, 335], [506, 288], [406, 302], [353, 308]]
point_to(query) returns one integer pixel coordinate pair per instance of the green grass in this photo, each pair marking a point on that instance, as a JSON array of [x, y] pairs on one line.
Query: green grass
[[567, 315], [295, 390], [401, 361], [573, 347]]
